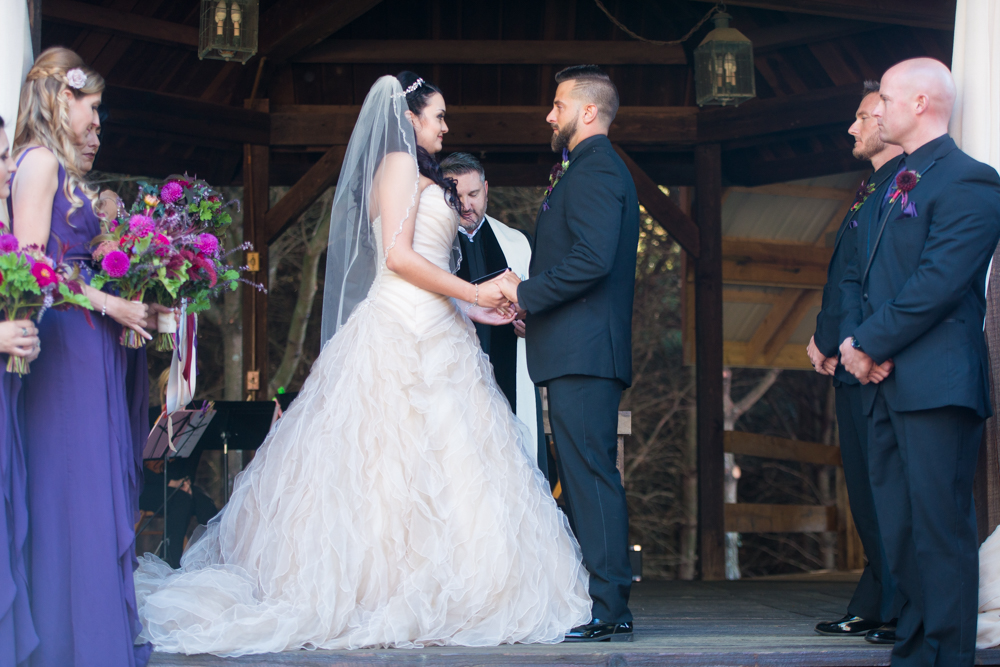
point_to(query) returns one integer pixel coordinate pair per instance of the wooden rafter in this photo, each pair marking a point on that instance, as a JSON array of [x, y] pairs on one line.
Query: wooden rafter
[[804, 30], [661, 207], [752, 262], [796, 190], [301, 196], [493, 52], [291, 26], [806, 299], [776, 315], [185, 116], [934, 14], [119, 22], [317, 125]]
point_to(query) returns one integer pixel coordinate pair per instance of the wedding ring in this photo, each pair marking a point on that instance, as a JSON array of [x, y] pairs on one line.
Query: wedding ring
[[24, 332]]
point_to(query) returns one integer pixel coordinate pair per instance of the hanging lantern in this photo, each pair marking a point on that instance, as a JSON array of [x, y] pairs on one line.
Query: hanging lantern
[[228, 30], [723, 65]]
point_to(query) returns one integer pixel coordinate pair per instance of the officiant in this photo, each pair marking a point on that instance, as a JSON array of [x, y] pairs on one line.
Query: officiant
[[487, 246]]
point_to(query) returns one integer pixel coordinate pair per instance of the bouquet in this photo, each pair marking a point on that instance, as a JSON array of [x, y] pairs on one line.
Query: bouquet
[[31, 283], [168, 247]]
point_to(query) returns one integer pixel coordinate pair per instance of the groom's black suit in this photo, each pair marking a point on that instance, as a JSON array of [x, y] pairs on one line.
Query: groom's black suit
[[916, 295], [874, 596], [579, 345]]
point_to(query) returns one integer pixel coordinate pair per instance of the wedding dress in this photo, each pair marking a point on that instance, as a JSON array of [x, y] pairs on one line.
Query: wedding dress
[[392, 506]]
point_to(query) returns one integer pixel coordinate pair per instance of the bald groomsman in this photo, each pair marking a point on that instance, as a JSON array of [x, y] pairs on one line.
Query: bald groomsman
[[914, 302]]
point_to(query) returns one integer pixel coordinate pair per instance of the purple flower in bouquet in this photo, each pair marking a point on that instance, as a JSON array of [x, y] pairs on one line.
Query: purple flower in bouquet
[[208, 244], [171, 192], [116, 263], [8, 243], [141, 225]]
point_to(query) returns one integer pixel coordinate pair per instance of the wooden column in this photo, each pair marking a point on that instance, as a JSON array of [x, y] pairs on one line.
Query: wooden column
[[256, 163], [708, 360]]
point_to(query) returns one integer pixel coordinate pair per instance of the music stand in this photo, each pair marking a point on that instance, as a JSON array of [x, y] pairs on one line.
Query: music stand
[[187, 427], [238, 425]]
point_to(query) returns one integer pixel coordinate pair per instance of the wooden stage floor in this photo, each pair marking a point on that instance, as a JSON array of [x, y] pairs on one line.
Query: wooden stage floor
[[763, 623]]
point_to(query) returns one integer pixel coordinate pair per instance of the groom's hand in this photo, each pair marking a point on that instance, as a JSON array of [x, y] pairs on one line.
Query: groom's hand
[[508, 283]]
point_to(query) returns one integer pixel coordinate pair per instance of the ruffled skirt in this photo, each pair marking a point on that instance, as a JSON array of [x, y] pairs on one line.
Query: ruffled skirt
[[392, 506]]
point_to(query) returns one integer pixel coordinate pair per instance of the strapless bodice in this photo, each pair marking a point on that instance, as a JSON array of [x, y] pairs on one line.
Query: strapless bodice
[[433, 236]]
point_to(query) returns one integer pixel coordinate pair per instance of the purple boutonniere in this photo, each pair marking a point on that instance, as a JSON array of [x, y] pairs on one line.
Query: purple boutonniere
[[864, 191], [557, 173], [905, 182]]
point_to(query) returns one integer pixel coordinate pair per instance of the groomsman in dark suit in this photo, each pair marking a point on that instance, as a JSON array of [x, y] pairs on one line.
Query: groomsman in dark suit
[[487, 246], [578, 299], [872, 606], [914, 303]]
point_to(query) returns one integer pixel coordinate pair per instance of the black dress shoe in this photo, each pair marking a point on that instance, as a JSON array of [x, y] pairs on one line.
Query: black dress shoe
[[883, 635], [599, 631], [848, 626]]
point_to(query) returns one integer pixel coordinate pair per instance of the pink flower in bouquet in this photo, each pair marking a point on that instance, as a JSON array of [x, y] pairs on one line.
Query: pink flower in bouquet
[[141, 225], [171, 192], [102, 249], [44, 274], [205, 264], [9, 243], [1, 277], [116, 263], [208, 244]]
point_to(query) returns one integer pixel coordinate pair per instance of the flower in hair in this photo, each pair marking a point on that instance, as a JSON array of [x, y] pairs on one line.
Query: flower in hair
[[75, 78]]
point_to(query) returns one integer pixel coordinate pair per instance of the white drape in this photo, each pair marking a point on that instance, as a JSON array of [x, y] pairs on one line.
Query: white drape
[[15, 61]]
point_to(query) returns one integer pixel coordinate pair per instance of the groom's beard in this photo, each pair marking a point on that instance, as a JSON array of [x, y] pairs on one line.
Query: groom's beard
[[562, 136]]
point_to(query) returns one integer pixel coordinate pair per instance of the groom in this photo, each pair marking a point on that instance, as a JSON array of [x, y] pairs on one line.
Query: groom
[[579, 331]]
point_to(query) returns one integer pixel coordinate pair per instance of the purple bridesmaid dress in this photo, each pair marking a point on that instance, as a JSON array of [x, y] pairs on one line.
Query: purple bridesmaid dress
[[84, 477], [17, 633]]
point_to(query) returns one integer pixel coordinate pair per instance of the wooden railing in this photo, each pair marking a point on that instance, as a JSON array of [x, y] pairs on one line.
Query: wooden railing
[[766, 518]]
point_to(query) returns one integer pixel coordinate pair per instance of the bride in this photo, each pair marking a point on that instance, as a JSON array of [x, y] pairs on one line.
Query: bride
[[394, 505]]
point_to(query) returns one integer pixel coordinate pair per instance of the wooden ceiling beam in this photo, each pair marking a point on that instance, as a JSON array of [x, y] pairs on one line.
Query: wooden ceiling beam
[[775, 316], [313, 125], [796, 190], [301, 196], [662, 208], [129, 107], [739, 169], [492, 52], [291, 26], [805, 30], [752, 262], [934, 14], [806, 300], [119, 22]]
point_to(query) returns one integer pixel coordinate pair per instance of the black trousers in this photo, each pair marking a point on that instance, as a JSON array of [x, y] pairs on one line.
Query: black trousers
[[181, 507], [921, 466], [875, 596], [583, 411]]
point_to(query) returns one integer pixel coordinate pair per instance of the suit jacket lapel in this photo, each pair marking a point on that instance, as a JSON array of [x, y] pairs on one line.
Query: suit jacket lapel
[[881, 229]]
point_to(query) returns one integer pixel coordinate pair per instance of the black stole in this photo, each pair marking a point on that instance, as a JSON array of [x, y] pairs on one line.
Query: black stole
[[479, 258]]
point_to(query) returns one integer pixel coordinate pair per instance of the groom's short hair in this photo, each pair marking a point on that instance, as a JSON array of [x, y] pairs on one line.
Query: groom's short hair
[[458, 164], [594, 86]]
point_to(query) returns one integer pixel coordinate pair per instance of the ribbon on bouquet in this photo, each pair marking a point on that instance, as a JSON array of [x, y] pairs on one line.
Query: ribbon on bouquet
[[183, 364]]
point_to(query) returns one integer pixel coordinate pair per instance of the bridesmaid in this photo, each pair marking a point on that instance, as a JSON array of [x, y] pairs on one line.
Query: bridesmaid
[[83, 477], [19, 337]]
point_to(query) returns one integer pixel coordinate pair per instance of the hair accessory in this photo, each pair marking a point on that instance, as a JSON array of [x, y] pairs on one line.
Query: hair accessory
[[76, 79], [413, 86]]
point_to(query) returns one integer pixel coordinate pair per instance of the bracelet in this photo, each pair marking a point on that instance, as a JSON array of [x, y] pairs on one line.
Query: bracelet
[[104, 310], [474, 303]]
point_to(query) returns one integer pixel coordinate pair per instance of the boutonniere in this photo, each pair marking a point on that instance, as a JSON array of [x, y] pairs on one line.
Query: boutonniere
[[557, 173], [864, 192], [905, 182]]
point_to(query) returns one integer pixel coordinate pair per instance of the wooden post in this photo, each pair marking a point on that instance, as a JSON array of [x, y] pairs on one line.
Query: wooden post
[[256, 164], [708, 360]]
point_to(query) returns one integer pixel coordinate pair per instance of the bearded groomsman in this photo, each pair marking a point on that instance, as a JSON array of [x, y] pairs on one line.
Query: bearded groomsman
[[915, 296], [872, 606], [487, 246], [578, 300]]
